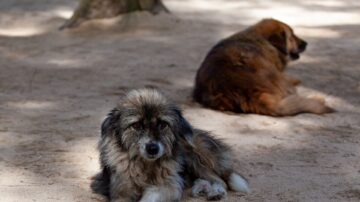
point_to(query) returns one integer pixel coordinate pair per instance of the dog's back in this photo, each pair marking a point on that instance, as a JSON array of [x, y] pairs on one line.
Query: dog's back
[[234, 70]]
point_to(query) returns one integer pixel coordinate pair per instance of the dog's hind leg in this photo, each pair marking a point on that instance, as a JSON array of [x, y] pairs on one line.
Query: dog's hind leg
[[273, 105], [212, 191], [217, 192], [211, 184], [295, 104], [200, 188], [237, 183]]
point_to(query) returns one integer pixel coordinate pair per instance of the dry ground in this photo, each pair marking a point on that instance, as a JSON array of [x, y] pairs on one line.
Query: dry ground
[[56, 88]]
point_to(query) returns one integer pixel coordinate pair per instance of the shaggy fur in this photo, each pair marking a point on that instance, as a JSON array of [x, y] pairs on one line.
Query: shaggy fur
[[245, 73], [149, 152]]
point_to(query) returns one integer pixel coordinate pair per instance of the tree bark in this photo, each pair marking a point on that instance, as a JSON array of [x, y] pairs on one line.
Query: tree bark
[[97, 9]]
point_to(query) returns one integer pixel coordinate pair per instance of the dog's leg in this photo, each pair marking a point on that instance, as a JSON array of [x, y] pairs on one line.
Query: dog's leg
[[153, 194], [295, 104], [212, 191], [165, 193], [215, 186], [200, 188], [171, 190], [290, 105], [217, 192], [237, 183]]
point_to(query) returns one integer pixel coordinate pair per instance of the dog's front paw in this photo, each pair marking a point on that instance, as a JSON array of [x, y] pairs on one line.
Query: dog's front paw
[[217, 192], [200, 188], [151, 196]]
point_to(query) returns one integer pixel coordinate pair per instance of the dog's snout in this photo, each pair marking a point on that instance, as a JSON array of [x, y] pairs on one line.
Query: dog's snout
[[152, 148], [302, 45]]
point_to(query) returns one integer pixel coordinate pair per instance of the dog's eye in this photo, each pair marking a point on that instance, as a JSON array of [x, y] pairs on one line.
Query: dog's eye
[[162, 125], [136, 126]]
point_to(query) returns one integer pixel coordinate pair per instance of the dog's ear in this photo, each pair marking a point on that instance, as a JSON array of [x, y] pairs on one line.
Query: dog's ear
[[183, 129], [111, 125], [279, 40]]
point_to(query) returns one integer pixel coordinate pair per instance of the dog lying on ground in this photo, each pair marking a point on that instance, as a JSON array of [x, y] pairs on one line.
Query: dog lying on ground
[[150, 153], [245, 73]]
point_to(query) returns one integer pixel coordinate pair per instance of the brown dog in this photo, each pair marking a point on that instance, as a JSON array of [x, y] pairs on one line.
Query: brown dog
[[245, 73]]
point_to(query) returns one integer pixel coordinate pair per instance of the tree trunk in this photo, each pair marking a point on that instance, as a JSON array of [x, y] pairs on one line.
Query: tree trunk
[[97, 9]]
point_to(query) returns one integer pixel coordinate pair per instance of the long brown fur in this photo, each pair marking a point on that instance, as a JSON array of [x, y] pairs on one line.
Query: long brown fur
[[188, 157], [244, 73]]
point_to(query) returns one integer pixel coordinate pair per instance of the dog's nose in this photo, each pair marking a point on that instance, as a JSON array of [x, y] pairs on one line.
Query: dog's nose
[[152, 148], [302, 45]]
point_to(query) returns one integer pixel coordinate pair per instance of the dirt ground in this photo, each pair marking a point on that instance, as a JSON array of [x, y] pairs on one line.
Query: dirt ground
[[56, 88]]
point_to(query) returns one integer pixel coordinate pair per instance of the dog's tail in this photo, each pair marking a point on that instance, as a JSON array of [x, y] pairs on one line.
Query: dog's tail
[[238, 183]]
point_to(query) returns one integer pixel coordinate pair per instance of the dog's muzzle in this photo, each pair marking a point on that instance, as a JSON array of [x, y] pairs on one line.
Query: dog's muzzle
[[302, 46], [294, 55], [152, 149]]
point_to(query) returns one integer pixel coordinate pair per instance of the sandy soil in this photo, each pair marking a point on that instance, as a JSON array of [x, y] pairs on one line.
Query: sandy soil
[[56, 88]]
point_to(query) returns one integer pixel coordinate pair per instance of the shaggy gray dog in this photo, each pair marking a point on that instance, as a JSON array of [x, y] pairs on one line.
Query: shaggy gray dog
[[150, 153]]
